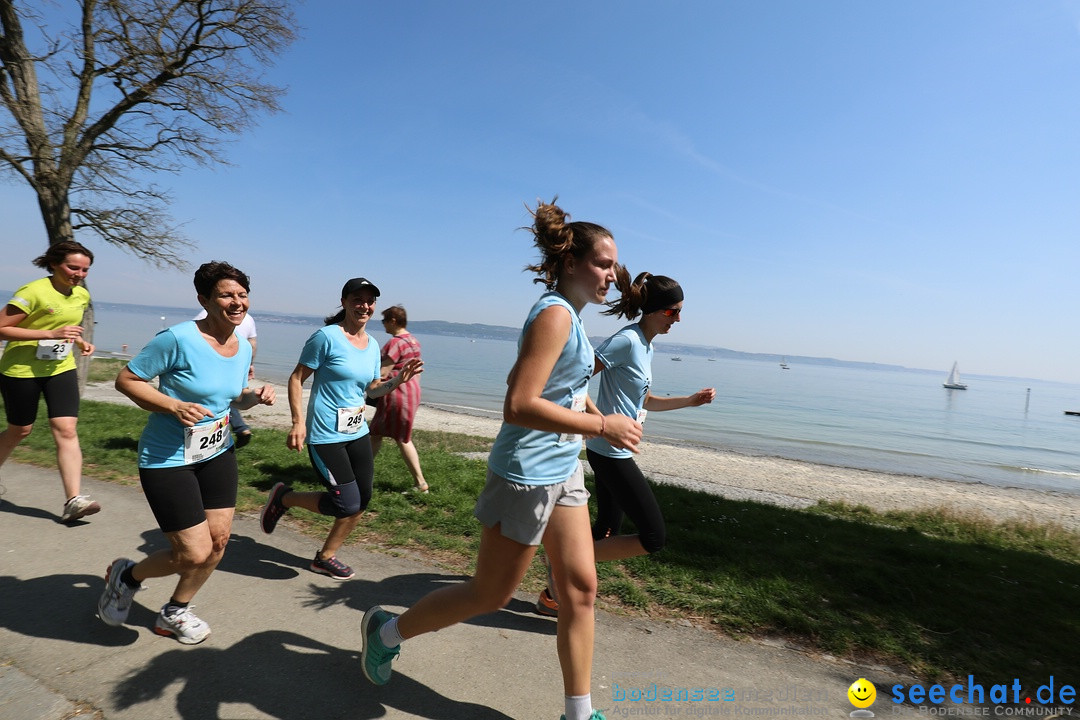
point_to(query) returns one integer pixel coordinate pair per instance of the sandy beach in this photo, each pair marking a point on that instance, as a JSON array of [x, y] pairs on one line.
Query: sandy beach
[[788, 483]]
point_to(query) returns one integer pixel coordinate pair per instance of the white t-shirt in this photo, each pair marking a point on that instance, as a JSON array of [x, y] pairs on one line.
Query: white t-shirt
[[245, 330]]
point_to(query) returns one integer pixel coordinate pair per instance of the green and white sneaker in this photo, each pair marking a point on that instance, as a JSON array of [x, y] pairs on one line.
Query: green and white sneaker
[[376, 658]]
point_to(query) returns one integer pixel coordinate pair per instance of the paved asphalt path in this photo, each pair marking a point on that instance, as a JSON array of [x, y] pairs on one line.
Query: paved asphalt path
[[286, 641]]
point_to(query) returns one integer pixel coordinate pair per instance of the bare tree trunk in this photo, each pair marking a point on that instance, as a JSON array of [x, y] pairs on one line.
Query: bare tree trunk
[[137, 87], [56, 214], [82, 362]]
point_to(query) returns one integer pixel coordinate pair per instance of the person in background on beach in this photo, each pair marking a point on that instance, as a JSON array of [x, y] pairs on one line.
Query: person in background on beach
[[246, 331], [344, 359], [396, 411], [535, 492], [41, 324], [625, 360], [187, 462]]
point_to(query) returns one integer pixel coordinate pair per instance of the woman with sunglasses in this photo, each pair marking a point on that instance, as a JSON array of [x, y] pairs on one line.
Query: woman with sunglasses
[[396, 411], [626, 361]]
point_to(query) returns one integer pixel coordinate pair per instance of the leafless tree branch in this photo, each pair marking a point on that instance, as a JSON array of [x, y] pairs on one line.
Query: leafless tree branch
[[129, 88]]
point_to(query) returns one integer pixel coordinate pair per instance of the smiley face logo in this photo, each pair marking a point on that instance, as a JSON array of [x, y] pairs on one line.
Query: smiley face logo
[[862, 693]]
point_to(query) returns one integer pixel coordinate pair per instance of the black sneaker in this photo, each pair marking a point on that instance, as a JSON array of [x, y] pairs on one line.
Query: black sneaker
[[242, 439], [274, 509], [332, 567]]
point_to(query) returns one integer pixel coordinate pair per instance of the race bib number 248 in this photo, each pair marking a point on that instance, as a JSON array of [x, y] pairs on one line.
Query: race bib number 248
[[205, 441]]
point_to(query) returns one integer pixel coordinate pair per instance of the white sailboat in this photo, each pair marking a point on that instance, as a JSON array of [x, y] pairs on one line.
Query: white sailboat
[[953, 381]]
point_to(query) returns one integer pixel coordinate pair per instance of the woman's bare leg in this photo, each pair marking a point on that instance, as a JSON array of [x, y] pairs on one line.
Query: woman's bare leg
[[569, 546], [500, 567]]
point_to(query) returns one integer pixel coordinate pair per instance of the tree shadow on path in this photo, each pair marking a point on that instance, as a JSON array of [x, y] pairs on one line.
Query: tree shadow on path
[[286, 676], [405, 590], [62, 607]]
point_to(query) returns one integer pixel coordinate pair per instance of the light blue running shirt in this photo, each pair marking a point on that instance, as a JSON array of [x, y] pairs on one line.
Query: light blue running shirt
[[536, 457], [624, 382], [342, 374], [189, 370]]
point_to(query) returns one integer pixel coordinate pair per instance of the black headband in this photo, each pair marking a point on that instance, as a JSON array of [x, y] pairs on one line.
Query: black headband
[[658, 299]]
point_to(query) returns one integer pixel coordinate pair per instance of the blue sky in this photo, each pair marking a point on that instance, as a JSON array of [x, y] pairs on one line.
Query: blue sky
[[892, 182]]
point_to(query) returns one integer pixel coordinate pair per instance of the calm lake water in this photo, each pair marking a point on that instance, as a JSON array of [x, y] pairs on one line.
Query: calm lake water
[[1001, 431]]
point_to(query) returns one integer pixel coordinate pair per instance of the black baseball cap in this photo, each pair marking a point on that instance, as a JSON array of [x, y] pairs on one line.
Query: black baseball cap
[[357, 284]]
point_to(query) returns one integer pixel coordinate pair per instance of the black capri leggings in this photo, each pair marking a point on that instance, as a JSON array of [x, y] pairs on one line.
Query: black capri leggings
[[347, 470], [621, 488]]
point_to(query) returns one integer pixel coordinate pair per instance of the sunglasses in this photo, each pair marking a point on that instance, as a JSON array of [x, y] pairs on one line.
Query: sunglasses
[[671, 312]]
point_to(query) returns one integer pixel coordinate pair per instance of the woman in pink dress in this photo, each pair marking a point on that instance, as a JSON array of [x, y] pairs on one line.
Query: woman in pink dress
[[396, 410]]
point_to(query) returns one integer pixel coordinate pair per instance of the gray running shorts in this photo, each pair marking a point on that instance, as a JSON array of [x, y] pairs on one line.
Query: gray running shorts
[[524, 510]]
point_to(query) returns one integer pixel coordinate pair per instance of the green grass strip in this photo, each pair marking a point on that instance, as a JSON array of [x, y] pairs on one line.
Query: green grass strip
[[943, 593]]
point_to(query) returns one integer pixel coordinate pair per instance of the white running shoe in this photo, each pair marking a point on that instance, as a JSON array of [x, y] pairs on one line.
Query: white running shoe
[[181, 623], [115, 600], [78, 507]]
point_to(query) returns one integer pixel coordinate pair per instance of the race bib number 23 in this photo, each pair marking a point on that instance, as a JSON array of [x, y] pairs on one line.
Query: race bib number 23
[[53, 349]]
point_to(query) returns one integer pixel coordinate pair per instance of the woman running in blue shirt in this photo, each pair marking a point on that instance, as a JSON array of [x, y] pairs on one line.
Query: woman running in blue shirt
[[535, 492], [345, 361], [624, 362], [187, 461]]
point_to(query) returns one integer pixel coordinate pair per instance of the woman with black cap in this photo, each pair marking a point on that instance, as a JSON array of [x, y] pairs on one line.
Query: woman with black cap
[[626, 361], [345, 362]]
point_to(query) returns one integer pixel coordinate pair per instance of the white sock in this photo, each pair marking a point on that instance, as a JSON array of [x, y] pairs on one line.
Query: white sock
[[389, 635], [578, 707]]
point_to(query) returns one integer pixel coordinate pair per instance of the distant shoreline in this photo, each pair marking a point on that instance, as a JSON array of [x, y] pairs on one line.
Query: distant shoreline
[[777, 481], [502, 332], [510, 334]]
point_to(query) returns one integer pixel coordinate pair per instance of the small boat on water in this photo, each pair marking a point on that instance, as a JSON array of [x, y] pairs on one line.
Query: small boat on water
[[953, 381], [676, 358], [784, 365]]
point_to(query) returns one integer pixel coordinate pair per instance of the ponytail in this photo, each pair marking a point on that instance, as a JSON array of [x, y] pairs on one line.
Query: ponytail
[[558, 238], [647, 294]]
